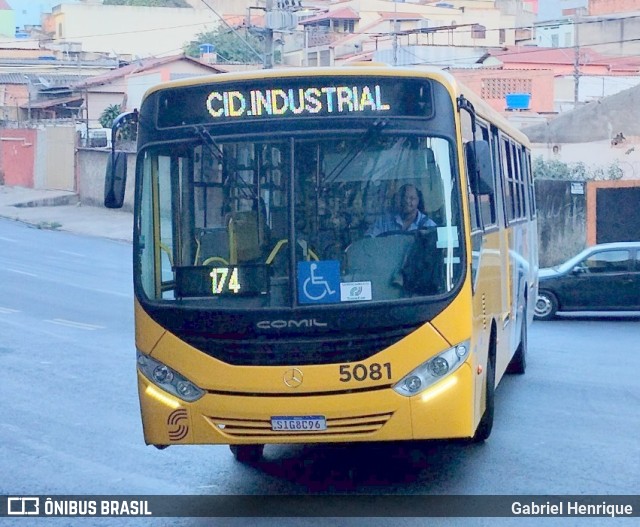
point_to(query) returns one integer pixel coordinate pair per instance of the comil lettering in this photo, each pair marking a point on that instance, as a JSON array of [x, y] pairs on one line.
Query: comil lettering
[[327, 99], [281, 324]]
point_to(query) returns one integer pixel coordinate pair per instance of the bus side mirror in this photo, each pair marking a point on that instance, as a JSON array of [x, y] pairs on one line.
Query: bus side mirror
[[479, 166], [115, 180], [124, 127]]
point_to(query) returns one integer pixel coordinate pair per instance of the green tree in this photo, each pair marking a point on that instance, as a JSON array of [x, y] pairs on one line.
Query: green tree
[[148, 3], [126, 134], [228, 45], [108, 115]]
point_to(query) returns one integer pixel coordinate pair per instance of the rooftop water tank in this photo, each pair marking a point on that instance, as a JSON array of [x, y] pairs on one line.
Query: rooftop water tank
[[518, 101]]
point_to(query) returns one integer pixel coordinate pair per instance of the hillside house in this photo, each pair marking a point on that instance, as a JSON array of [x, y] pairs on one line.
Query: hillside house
[[125, 86]]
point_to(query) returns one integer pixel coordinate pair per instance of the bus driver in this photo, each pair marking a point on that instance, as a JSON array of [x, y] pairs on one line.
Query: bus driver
[[409, 217]]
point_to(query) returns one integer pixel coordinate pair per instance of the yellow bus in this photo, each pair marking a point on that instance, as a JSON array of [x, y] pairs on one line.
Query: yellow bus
[[326, 255]]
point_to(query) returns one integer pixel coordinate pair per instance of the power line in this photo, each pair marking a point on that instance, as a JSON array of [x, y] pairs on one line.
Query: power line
[[389, 35], [355, 33], [253, 50], [524, 52], [114, 34]]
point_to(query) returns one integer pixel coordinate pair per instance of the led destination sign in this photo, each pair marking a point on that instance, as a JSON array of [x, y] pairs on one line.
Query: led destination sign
[[234, 280], [329, 99], [262, 99]]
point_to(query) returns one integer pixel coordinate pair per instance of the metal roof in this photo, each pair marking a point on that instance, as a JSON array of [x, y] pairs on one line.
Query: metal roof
[[139, 66], [39, 78], [69, 102]]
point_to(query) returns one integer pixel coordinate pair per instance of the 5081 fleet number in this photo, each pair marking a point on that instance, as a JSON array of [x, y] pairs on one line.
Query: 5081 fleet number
[[361, 372]]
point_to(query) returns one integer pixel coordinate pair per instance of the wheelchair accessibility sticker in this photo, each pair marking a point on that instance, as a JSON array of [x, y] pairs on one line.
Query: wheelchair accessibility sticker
[[319, 282]]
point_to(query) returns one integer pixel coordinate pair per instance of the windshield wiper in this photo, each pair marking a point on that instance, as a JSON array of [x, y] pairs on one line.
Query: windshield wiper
[[209, 142], [372, 132]]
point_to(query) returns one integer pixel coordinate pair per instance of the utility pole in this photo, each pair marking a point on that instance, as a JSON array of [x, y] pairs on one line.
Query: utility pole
[[396, 27], [576, 58], [268, 36], [28, 97], [86, 122], [395, 43]]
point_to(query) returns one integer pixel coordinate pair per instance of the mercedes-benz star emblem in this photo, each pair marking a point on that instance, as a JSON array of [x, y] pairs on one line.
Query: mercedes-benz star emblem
[[293, 378]]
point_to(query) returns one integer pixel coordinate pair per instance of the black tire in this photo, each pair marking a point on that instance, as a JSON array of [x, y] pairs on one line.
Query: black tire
[[486, 422], [546, 306], [247, 453], [518, 362]]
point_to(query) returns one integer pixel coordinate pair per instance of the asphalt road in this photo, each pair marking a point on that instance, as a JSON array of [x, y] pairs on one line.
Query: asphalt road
[[70, 418]]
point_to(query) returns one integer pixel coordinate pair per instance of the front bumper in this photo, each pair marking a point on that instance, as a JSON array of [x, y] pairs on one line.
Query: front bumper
[[445, 410]]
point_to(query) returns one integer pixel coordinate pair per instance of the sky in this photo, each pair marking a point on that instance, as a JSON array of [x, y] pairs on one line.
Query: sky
[[552, 9], [27, 12]]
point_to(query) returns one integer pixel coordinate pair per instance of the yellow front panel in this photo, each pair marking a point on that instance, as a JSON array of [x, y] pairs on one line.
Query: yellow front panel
[[446, 410], [214, 375], [148, 332], [442, 411]]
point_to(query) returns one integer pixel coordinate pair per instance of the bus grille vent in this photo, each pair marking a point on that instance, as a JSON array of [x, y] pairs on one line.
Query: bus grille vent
[[325, 349], [336, 427]]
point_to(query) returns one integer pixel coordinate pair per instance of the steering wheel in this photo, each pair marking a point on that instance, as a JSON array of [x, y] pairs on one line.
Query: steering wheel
[[213, 259], [396, 233]]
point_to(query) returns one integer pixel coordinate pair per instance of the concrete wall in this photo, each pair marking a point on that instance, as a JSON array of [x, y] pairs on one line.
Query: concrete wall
[[596, 155], [590, 88], [617, 36], [91, 169], [608, 36], [47, 158], [54, 164], [7, 23], [141, 31], [41, 158], [561, 220]]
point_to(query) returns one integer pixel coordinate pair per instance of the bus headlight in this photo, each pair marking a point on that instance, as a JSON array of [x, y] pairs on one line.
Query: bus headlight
[[167, 379], [433, 370]]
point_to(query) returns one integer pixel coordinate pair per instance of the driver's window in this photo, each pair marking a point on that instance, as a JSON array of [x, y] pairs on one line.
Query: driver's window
[[384, 224]]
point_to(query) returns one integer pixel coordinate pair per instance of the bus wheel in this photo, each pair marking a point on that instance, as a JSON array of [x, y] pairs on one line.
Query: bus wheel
[[518, 363], [247, 453], [546, 306], [486, 422]]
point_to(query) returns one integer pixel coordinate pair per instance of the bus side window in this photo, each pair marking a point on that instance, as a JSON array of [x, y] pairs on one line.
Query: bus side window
[[488, 201]]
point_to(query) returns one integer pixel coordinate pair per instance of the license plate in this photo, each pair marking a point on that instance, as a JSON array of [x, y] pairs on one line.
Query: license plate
[[298, 423]]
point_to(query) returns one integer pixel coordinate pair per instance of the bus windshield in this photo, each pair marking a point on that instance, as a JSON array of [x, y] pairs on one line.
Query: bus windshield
[[296, 220]]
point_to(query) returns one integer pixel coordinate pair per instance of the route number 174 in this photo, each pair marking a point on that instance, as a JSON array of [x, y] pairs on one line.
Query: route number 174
[[224, 278]]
